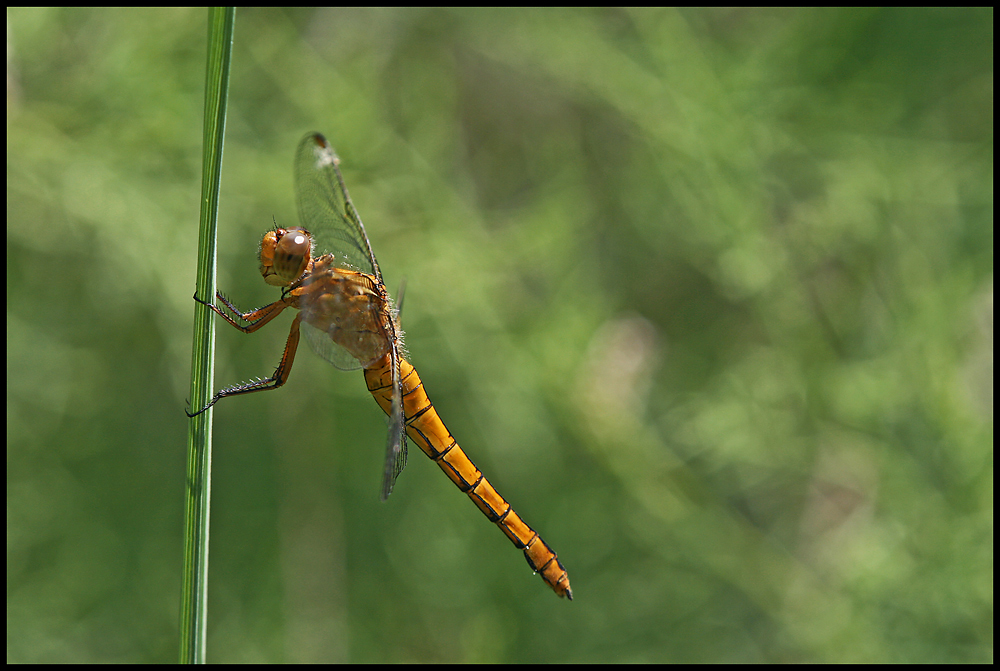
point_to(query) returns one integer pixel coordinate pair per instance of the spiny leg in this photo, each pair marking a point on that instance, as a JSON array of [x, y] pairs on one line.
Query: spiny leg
[[278, 378], [255, 318]]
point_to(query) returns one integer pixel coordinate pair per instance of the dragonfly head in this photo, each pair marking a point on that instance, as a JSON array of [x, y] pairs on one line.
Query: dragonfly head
[[284, 255]]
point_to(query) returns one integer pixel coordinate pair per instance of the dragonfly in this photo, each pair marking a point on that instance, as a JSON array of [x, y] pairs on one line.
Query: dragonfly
[[327, 271]]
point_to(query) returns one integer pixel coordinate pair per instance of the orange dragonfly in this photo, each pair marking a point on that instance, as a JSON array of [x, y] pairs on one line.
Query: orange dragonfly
[[349, 319]]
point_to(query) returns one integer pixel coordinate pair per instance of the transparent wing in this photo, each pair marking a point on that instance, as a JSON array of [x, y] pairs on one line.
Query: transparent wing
[[395, 449], [326, 211], [321, 343], [325, 208]]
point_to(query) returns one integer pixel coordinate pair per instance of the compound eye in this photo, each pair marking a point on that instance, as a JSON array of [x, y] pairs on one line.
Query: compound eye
[[285, 255]]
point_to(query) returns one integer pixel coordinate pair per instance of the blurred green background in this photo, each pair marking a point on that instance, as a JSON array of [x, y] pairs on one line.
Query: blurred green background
[[707, 294]]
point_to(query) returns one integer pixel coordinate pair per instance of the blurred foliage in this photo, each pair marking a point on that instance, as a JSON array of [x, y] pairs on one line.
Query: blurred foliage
[[707, 294]]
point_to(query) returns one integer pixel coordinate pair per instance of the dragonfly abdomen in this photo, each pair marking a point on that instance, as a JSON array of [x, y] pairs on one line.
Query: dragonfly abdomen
[[425, 428]]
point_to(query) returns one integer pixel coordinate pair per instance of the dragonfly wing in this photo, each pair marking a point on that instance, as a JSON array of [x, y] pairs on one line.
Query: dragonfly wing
[[325, 207], [323, 345], [395, 449], [326, 211]]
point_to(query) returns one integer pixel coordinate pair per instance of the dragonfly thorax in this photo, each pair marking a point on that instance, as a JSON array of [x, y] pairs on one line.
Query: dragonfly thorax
[[284, 255]]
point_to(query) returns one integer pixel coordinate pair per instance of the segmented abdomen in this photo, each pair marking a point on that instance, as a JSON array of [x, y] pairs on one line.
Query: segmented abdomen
[[425, 428]]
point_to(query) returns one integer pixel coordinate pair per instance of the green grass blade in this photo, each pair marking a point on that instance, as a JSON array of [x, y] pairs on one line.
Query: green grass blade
[[194, 596]]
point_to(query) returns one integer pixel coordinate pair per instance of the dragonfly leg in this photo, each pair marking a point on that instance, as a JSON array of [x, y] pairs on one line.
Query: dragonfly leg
[[254, 319], [278, 378]]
